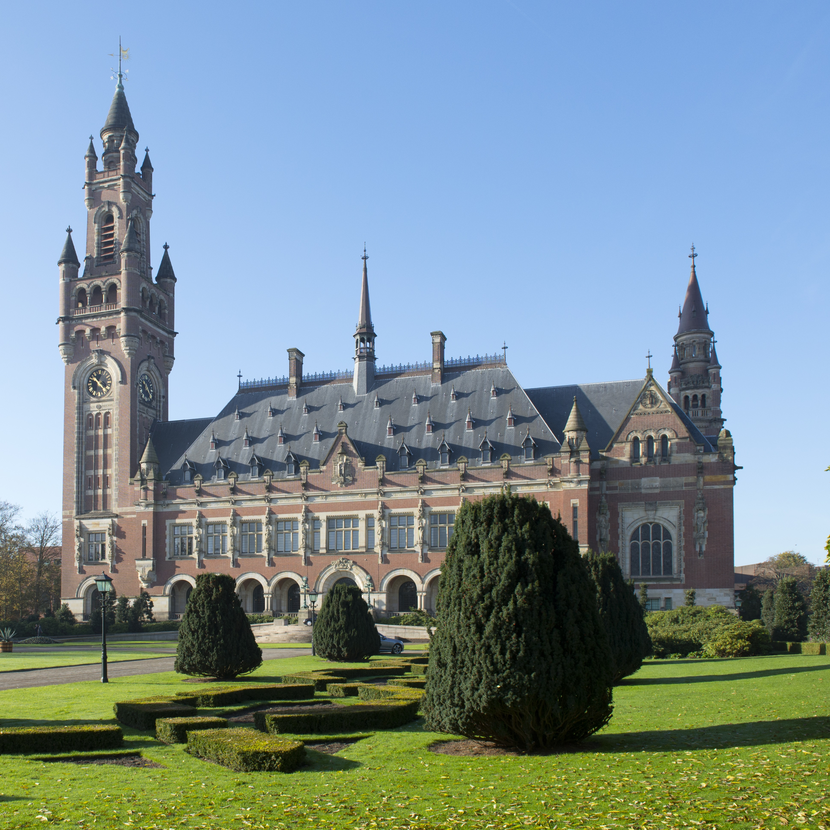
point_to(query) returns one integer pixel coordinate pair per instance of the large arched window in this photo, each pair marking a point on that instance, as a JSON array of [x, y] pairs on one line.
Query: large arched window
[[258, 599], [407, 597], [651, 551], [635, 449]]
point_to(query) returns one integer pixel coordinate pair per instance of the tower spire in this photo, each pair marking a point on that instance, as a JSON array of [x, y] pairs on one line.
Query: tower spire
[[364, 338]]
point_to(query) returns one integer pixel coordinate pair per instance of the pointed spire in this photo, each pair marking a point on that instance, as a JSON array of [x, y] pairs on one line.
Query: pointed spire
[[575, 422], [713, 356], [675, 361], [165, 271], [131, 243], [150, 456], [119, 117], [693, 314], [146, 164], [90, 151], [364, 320], [68, 255]]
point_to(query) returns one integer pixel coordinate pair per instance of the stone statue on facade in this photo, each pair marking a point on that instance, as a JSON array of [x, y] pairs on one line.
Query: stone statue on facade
[[603, 526]]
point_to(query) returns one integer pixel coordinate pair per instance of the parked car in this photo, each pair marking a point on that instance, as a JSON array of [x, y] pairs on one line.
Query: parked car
[[390, 645]]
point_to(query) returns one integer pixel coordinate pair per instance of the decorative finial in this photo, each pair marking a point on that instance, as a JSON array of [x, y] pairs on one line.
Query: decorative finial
[[165, 246], [68, 229], [239, 378], [504, 348], [365, 255], [122, 54], [648, 357], [692, 255]]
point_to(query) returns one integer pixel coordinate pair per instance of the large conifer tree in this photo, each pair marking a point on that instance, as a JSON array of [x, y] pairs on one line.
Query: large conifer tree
[[520, 656], [621, 613], [215, 637], [820, 607], [790, 612], [344, 629]]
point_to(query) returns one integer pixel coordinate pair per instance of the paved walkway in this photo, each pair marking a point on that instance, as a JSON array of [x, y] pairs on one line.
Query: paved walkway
[[27, 678]]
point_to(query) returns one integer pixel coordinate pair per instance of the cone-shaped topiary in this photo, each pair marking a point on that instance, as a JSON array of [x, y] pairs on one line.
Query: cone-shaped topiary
[[215, 637], [790, 612], [820, 607], [768, 610], [520, 655], [344, 629], [621, 613]]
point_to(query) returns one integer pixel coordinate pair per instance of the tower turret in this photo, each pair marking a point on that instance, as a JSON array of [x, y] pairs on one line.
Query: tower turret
[[364, 339], [694, 381]]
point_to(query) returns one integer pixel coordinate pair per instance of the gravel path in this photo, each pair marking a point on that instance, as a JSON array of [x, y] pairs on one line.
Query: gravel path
[[72, 674]]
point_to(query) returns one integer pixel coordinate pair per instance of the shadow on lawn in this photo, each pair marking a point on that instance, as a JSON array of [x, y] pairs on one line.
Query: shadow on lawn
[[711, 678], [754, 733]]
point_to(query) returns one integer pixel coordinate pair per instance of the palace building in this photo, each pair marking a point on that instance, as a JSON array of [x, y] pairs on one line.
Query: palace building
[[304, 480]]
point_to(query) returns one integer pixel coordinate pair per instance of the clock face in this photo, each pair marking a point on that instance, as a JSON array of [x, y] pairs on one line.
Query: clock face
[[146, 389], [99, 383]]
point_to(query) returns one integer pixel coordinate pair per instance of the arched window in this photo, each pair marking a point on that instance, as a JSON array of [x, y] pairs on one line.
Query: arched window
[[703, 401], [258, 599], [107, 238], [112, 293], [407, 597], [635, 449], [106, 420], [686, 403], [694, 401], [664, 446], [650, 448], [293, 598], [651, 551], [97, 297], [81, 298], [345, 580]]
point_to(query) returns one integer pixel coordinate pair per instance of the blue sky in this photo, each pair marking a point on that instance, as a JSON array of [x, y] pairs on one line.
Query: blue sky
[[521, 171]]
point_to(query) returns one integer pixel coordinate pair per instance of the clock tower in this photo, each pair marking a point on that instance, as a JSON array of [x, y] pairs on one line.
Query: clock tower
[[116, 340]]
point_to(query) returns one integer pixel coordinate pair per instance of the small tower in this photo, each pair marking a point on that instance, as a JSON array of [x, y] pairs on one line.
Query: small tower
[[694, 377], [364, 340]]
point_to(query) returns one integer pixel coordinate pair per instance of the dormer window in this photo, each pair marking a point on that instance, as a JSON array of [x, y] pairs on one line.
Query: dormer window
[[511, 420], [291, 464], [220, 469], [188, 471], [107, 238], [493, 392], [305, 409], [529, 448], [390, 428], [469, 421], [237, 414], [246, 439], [453, 396], [414, 399], [212, 441], [256, 467], [405, 456], [270, 411], [429, 425], [377, 402], [486, 449], [340, 405], [315, 436], [444, 452], [280, 436]]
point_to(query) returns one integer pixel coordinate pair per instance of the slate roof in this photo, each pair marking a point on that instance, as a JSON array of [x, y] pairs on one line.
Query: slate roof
[[694, 316], [119, 116], [367, 425]]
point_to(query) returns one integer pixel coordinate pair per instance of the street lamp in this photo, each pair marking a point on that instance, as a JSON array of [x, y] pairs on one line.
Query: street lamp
[[312, 601], [104, 585]]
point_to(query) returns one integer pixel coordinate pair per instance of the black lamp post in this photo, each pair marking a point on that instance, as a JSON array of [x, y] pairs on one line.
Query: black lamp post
[[104, 585], [312, 601]]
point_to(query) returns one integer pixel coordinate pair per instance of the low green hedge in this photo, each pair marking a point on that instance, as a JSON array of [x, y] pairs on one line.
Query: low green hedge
[[343, 689], [386, 714], [281, 691], [742, 639], [389, 693], [319, 679], [814, 648], [412, 682], [246, 750], [174, 730], [143, 713], [29, 739], [419, 669], [219, 695]]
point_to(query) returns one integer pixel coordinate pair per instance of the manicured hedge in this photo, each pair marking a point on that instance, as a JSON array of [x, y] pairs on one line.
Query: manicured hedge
[[412, 682], [174, 730], [814, 648], [143, 714], [29, 739], [220, 695], [389, 693], [387, 714], [281, 691], [343, 689], [246, 750], [419, 669], [319, 679]]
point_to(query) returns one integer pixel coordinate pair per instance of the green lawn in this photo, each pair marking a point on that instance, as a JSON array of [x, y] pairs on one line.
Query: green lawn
[[40, 657], [700, 744]]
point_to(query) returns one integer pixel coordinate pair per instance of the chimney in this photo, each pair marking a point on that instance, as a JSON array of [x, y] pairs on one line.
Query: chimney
[[295, 372], [438, 341]]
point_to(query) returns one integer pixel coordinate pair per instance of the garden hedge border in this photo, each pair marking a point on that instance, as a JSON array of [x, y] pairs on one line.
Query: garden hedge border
[[174, 730], [144, 712], [246, 750], [343, 689], [383, 714], [56, 739], [389, 693]]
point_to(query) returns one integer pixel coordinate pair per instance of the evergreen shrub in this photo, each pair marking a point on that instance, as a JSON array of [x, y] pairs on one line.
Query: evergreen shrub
[[768, 611], [743, 639], [174, 730], [814, 649], [750, 604], [520, 656], [215, 637], [246, 750], [29, 739], [790, 612], [621, 614], [819, 627], [689, 629], [344, 629]]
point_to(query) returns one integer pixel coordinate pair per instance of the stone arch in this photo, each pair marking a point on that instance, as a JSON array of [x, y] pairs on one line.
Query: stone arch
[[402, 587], [97, 358], [253, 592], [178, 589], [431, 591], [283, 596], [336, 570]]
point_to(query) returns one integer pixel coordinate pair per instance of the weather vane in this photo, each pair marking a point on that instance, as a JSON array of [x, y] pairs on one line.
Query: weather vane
[[123, 54]]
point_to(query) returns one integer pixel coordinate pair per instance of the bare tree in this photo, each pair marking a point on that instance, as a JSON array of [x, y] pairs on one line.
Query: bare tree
[[42, 541]]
